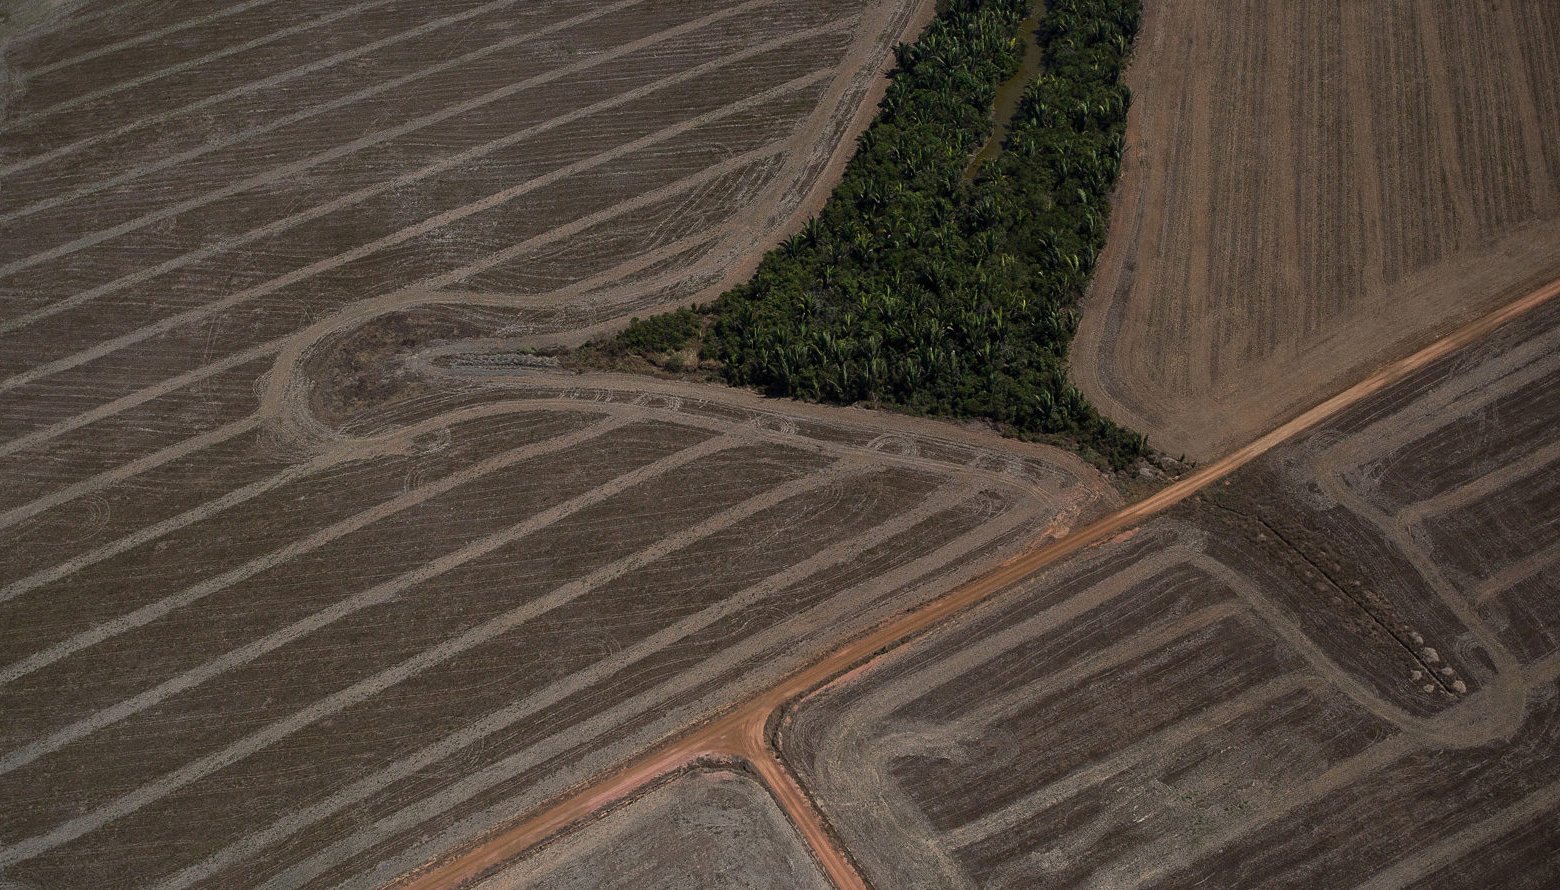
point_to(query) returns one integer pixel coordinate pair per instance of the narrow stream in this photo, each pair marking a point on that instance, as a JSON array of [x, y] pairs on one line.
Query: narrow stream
[[1011, 91]]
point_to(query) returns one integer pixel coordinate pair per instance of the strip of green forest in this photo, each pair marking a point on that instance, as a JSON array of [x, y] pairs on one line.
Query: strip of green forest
[[918, 289]]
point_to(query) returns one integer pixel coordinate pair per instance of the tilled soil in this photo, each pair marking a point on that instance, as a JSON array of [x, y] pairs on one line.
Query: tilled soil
[[294, 599], [1311, 189], [702, 829], [1301, 676]]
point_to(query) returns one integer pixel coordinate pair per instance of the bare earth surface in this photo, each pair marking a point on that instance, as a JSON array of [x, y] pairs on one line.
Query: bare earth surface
[[295, 596], [300, 590], [1312, 188], [702, 829], [1336, 668]]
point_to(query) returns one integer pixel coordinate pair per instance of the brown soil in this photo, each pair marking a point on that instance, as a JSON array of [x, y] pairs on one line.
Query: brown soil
[[1311, 188], [294, 599], [1294, 678], [742, 733], [705, 828], [298, 598]]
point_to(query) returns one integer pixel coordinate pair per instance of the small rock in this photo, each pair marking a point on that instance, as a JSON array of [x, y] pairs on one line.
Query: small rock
[[1148, 472]]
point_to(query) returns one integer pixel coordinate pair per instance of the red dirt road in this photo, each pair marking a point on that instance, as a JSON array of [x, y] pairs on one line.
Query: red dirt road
[[741, 735]]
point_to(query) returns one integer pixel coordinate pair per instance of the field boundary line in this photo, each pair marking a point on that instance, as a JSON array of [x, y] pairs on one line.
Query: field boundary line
[[427, 291], [143, 37], [1502, 696], [1521, 366], [1524, 467], [308, 543], [607, 276], [1008, 640], [141, 396], [1134, 648], [1182, 732], [1166, 862], [67, 493], [136, 172], [192, 64], [1413, 868], [765, 642], [926, 571], [541, 824], [1290, 634], [242, 89], [375, 138], [356, 449], [1499, 583], [146, 533], [730, 165], [441, 166], [414, 294], [50, 26], [801, 811]]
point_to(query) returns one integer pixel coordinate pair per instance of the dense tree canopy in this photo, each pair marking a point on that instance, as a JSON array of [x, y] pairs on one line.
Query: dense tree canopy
[[920, 289]]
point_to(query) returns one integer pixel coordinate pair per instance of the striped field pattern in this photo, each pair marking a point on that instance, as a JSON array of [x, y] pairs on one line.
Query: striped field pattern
[[292, 594], [1336, 669]]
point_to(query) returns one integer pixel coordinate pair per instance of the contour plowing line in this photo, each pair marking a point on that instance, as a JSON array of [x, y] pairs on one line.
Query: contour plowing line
[[242, 89], [375, 138]]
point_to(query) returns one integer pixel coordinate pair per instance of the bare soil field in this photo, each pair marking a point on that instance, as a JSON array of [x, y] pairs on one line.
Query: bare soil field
[[1335, 668], [701, 829], [1312, 188], [334, 670], [298, 593]]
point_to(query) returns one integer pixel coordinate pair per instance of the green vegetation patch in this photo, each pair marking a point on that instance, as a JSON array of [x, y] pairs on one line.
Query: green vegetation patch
[[664, 334], [920, 290]]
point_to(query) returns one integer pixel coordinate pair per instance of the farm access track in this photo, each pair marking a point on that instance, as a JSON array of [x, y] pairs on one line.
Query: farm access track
[[743, 736]]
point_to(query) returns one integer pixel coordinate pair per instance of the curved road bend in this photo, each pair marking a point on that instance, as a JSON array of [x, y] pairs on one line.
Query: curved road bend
[[741, 735]]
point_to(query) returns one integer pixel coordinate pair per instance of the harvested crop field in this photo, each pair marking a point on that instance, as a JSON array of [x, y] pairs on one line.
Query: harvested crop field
[[296, 594], [1310, 189], [330, 668], [702, 829], [1337, 668]]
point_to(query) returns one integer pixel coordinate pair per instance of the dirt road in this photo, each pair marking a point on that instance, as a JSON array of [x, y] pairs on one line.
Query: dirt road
[[742, 736]]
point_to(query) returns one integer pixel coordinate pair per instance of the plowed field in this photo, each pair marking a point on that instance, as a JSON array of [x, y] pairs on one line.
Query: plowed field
[[1312, 188], [1336, 668], [293, 595], [702, 829]]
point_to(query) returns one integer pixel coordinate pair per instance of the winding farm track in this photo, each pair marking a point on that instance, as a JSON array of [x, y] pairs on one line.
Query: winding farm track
[[743, 734]]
